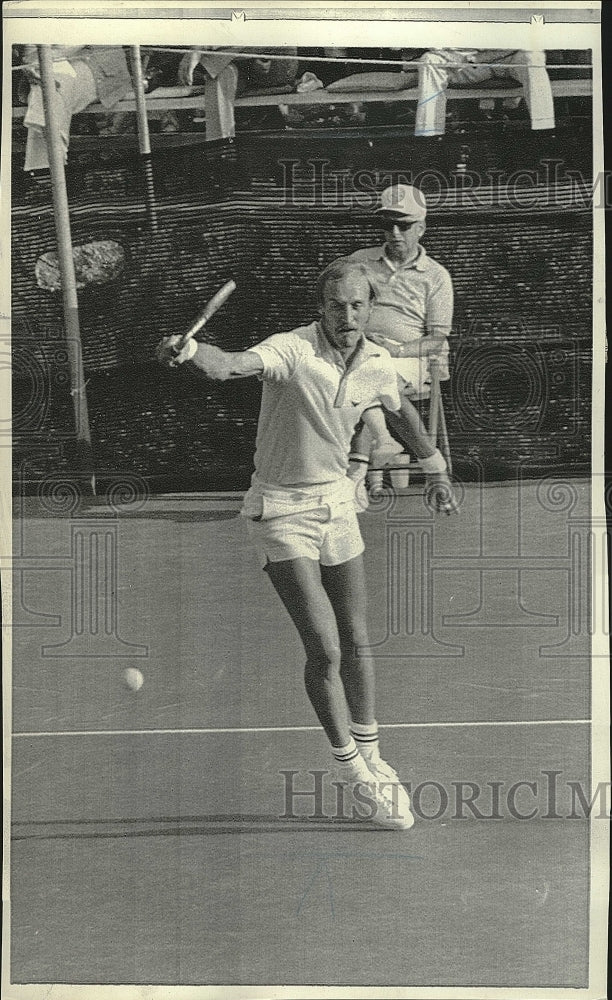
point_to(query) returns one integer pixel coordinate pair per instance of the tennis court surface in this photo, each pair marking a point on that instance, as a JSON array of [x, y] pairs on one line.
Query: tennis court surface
[[154, 837]]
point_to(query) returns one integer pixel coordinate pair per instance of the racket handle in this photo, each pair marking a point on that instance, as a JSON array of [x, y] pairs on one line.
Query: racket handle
[[209, 310]]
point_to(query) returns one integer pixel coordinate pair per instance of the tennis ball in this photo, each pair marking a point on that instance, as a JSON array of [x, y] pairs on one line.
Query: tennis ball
[[133, 678]]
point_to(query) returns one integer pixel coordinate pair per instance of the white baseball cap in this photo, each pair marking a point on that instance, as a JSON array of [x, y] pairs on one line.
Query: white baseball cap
[[404, 201]]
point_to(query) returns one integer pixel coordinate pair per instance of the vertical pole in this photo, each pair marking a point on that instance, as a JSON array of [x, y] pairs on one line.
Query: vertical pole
[[55, 150], [144, 142]]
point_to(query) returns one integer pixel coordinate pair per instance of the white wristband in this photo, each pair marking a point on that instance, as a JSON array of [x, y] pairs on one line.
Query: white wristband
[[435, 463], [189, 350]]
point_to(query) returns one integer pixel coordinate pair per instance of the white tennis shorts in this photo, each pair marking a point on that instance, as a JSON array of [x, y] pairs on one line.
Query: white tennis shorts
[[329, 534]]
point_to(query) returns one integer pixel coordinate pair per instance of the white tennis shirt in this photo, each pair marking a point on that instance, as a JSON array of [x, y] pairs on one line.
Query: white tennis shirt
[[311, 404]]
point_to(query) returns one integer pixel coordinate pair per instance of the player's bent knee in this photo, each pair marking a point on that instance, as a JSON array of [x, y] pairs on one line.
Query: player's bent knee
[[324, 662], [353, 647], [353, 633]]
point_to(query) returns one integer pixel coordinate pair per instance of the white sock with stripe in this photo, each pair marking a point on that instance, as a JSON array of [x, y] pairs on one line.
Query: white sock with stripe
[[366, 739], [348, 758]]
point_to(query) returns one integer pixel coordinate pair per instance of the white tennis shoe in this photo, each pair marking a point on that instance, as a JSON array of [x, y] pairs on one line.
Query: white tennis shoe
[[378, 793], [386, 776]]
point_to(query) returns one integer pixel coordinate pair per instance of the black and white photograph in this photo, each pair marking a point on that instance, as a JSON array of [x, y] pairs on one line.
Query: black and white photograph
[[303, 501]]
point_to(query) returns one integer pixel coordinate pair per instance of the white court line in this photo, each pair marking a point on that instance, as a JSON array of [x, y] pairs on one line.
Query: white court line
[[296, 729]]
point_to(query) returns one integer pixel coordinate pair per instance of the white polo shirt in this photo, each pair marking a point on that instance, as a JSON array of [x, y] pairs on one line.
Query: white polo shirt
[[412, 300], [311, 404]]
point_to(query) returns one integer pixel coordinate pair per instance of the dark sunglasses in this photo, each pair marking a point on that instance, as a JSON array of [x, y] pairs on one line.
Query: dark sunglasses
[[403, 226]]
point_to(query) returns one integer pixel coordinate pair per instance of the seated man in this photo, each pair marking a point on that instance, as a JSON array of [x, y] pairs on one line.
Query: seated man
[[83, 74], [411, 317], [441, 68]]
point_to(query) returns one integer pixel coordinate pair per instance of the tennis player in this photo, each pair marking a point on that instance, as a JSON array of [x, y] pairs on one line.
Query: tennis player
[[318, 381]]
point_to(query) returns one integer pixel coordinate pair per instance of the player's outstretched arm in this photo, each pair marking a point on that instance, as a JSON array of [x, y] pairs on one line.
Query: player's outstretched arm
[[210, 360]]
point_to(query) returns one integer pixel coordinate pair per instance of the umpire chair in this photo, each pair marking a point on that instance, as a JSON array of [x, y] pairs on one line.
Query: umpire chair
[[435, 422]]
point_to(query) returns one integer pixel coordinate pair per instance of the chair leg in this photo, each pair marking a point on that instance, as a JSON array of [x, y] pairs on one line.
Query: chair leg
[[437, 418], [435, 401], [444, 442]]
